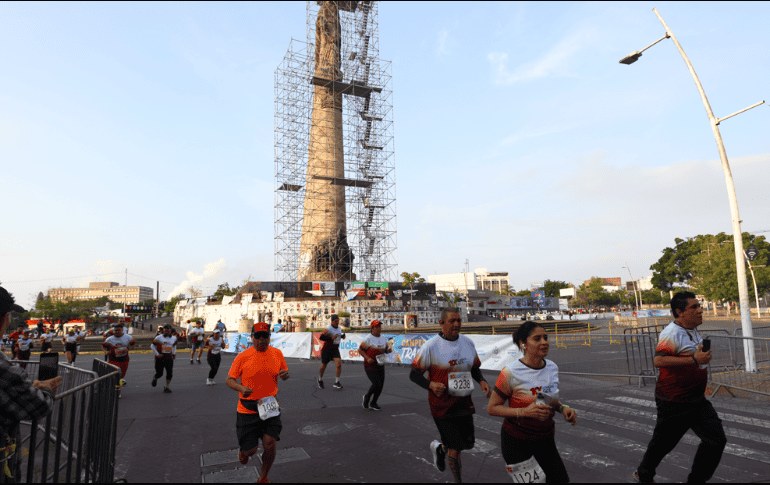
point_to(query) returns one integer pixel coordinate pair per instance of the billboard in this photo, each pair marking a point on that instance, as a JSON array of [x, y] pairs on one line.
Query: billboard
[[327, 287]]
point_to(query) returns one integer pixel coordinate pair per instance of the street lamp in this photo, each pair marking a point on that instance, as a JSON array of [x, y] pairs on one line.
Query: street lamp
[[743, 291], [633, 282]]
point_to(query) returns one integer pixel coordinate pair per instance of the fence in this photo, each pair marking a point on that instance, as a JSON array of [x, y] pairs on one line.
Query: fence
[[727, 369], [76, 441]]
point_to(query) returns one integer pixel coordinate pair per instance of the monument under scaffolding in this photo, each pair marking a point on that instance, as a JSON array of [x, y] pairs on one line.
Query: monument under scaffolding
[[335, 198]]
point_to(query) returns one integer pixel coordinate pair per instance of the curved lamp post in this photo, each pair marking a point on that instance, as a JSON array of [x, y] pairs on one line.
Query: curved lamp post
[[743, 291]]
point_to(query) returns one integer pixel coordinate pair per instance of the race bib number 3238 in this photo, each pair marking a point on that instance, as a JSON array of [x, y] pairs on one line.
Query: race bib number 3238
[[460, 384]]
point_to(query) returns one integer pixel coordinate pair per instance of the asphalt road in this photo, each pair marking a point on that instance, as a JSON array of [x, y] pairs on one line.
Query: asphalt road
[[328, 437]]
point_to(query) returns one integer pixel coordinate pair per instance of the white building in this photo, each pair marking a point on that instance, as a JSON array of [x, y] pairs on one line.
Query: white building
[[480, 279]]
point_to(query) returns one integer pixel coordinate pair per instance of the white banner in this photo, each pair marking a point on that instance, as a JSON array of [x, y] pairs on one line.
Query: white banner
[[349, 346], [293, 345], [246, 298], [226, 300], [495, 351]]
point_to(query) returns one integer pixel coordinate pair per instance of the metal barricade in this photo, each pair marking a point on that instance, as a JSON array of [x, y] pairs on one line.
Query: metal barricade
[[76, 441], [727, 368]]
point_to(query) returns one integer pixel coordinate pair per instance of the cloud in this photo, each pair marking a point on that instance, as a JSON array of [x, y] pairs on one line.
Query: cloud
[[559, 61], [443, 35], [210, 270]]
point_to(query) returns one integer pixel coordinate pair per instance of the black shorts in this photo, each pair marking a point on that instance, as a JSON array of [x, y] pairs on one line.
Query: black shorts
[[46, 347], [197, 345], [250, 429], [70, 347], [457, 433], [330, 354]]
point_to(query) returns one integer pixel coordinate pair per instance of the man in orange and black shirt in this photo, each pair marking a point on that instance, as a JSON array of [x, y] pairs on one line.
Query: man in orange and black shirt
[[259, 416]]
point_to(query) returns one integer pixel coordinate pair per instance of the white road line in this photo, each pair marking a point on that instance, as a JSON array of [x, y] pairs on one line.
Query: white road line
[[717, 403], [598, 462], [734, 432], [735, 418], [730, 449]]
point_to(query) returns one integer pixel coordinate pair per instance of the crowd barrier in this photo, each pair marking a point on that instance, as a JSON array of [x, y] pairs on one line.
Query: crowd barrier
[[727, 369], [76, 441]]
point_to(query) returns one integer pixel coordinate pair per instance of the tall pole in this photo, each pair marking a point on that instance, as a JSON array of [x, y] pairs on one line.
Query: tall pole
[[633, 282], [743, 290], [125, 295]]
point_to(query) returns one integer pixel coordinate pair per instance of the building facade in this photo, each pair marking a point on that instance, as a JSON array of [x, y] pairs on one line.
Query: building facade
[[479, 280], [110, 289]]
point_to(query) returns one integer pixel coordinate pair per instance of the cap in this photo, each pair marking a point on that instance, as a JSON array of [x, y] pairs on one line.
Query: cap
[[216, 330], [375, 323], [260, 327], [335, 316]]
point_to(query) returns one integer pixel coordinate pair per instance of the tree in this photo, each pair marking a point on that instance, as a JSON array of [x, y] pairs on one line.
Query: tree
[[524, 293], [552, 288], [409, 280], [194, 291], [591, 294], [171, 304], [224, 290]]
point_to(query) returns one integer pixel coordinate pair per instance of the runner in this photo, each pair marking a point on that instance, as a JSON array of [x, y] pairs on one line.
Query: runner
[[197, 336], [451, 361], [374, 345], [46, 340], [117, 347], [331, 351], [214, 357], [164, 348], [24, 346], [70, 341], [81, 334], [105, 335], [259, 415], [222, 328], [14, 337], [531, 387]]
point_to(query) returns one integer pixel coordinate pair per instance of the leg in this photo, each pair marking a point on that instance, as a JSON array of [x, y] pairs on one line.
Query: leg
[[378, 384], [708, 427], [671, 425], [321, 371], [371, 374], [338, 363], [158, 368], [169, 371], [548, 458], [455, 464], [214, 362], [268, 456]]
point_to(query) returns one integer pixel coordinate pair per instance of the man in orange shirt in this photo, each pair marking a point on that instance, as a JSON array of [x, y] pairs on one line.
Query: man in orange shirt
[[259, 416]]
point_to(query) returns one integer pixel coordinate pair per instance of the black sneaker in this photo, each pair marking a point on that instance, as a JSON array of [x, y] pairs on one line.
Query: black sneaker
[[199, 361], [154, 382], [365, 403], [320, 384], [439, 457], [337, 385], [375, 406], [635, 477], [191, 362], [167, 390]]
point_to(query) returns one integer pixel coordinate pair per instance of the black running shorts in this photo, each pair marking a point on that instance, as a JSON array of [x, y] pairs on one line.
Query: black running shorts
[[330, 354], [457, 433], [70, 347], [250, 429]]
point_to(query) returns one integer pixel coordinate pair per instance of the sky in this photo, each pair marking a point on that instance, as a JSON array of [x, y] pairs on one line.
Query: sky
[[139, 137]]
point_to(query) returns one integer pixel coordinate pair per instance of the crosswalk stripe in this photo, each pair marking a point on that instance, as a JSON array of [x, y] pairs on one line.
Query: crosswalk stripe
[[734, 432], [674, 458], [735, 418], [765, 411], [731, 449]]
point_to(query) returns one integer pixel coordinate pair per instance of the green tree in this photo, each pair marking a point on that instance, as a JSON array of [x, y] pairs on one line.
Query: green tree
[[171, 304], [552, 288], [409, 280], [524, 293], [224, 290], [592, 294]]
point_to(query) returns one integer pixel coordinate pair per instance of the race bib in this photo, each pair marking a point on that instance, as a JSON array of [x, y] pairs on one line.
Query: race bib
[[121, 352], [382, 359], [527, 471], [215, 350], [337, 339], [24, 347], [166, 349], [268, 408], [460, 384]]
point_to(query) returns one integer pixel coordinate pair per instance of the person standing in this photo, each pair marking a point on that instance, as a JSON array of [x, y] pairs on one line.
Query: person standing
[[373, 345], [198, 336], [117, 346], [14, 338], [81, 335], [188, 329], [70, 341], [259, 413], [531, 387], [331, 338], [214, 356], [24, 346], [452, 365], [679, 395], [164, 348]]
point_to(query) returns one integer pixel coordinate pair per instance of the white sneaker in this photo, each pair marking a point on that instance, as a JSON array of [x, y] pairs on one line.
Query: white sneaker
[[209, 382]]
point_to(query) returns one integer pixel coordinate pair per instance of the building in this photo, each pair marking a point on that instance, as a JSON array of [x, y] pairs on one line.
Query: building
[[642, 284], [607, 282], [479, 280], [120, 294]]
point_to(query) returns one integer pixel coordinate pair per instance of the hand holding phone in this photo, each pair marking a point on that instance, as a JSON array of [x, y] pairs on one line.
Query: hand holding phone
[[706, 345]]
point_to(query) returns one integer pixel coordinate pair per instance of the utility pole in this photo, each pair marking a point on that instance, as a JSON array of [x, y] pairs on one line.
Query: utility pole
[[125, 295], [633, 282], [157, 299]]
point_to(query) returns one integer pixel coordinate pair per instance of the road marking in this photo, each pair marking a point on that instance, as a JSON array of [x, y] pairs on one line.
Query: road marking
[[723, 416], [325, 429], [731, 449], [717, 403]]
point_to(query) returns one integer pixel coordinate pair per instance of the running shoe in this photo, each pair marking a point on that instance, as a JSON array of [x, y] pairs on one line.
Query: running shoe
[[191, 362], [337, 385], [365, 403], [635, 477], [154, 382], [439, 457], [167, 390], [243, 457], [375, 406], [199, 361], [320, 384]]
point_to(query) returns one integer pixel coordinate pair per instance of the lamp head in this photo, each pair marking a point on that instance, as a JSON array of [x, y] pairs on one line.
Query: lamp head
[[631, 58]]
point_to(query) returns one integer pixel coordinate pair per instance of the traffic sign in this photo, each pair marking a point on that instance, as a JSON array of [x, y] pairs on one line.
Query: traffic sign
[[752, 252]]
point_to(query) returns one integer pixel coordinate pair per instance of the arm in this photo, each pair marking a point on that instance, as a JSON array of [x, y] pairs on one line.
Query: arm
[[325, 337], [497, 407], [419, 378], [235, 385], [698, 358], [153, 346], [25, 399], [362, 352]]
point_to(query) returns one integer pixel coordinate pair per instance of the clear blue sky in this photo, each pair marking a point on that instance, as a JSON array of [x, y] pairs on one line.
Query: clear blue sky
[[140, 136]]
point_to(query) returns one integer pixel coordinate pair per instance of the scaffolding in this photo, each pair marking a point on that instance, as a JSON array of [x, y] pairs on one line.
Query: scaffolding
[[335, 185]]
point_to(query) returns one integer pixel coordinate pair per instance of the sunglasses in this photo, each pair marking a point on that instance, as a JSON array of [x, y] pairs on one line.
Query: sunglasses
[[261, 334]]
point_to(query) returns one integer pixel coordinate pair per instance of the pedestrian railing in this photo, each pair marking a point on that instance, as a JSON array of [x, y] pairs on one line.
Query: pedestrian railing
[[727, 369], [76, 442]]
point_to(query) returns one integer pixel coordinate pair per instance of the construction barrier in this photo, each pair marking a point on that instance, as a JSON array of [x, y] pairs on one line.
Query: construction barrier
[[727, 368], [76, 441]]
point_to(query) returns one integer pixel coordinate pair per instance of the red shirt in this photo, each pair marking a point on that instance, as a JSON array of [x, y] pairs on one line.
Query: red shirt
[[259, 372]]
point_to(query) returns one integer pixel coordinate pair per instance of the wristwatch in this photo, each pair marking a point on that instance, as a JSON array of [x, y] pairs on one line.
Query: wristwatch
[[695, 360]]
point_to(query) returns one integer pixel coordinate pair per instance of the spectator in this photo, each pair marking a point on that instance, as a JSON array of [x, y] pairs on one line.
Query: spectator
[[21, 398]]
